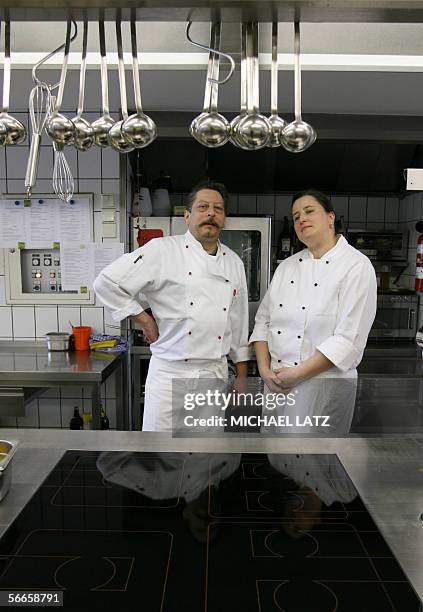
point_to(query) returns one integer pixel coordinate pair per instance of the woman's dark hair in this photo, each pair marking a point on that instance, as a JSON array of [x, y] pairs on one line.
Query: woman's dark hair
[[207, 184], [317, 195]]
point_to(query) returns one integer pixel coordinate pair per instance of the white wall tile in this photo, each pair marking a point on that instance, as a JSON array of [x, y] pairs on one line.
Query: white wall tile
[[23, 322], [52, 393], [1, 261], [111, 386], [45, 165], [357, 210], [110, 409], [6, 322], [89, 164], [110, 163], [89, 185], [45, 320], [71, 392], [16, 159], [283, 207], [376, 210], [2, 291], [31, 415], [112, 330], [8, 422], [66, 314], [93, 316], [409, 200], [3, 163], [232, 204], [402, 217], [417, 206], [49, 410], [247, 203], [392, 210]]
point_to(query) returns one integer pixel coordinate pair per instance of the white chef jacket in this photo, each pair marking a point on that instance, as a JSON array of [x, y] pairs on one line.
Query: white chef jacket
[[326, 304], [199, 301]]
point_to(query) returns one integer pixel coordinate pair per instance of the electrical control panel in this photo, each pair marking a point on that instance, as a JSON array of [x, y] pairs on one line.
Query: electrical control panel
[[33, 274]]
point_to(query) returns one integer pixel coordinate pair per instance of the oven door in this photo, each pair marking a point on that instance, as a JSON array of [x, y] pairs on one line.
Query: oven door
[[396, 317]]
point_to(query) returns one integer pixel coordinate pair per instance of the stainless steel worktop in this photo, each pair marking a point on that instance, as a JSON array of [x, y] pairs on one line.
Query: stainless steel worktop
[[387, 472], [35, 365]]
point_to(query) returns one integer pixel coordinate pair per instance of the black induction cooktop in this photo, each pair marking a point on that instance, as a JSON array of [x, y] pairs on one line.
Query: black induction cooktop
[[191, 532]]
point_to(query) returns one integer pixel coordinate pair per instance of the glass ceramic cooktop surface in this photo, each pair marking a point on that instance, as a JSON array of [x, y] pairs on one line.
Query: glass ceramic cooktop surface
[[192, 532]]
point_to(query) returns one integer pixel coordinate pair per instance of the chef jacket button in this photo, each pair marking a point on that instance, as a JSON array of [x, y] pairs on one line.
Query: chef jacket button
[[219, 337], [185, 359], [280, 305], [189, 333], [327, 262], [279, 360], [186, 246], [224, 309], [191, 303], [295, 363], [226, 281], [224, 253], [292, 282], [299, 337], [315, 284], [190, 273], [279, 332], [188, 475], [303, 307], [300, 259]]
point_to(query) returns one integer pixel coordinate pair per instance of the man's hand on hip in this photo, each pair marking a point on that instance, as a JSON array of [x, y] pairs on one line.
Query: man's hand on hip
[[148, 326]]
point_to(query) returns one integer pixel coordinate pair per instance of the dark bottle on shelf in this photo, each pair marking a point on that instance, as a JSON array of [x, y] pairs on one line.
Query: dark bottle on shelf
[[76, 421], [104, 421], [284, 245]]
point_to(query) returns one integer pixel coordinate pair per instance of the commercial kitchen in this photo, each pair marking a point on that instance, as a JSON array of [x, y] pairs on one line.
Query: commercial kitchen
[[111, 114]]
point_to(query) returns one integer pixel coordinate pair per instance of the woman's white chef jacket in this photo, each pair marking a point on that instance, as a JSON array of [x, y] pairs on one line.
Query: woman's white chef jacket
[[326, 304], [199, 301]]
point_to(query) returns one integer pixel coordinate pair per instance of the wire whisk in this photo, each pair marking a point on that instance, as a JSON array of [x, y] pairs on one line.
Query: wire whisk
[[63, 183], [39, 109]]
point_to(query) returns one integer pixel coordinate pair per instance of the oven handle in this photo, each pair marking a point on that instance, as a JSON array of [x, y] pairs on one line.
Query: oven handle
[[411, 318]]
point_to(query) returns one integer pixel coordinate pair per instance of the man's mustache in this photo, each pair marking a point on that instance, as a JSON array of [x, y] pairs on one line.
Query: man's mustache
[[210, 223]]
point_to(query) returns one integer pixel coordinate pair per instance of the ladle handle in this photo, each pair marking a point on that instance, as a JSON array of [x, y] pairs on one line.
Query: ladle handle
[[274, 70], [255, 67], [7, 68], [216, 61], [243, 104], [209, 77], [83, 70], [297, 71], [104, 79], [64, 69], [135, 67], [121, 66], [32, 166]]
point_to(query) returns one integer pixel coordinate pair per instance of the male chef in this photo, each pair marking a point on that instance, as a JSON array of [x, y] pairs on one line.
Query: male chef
[[197, 291]]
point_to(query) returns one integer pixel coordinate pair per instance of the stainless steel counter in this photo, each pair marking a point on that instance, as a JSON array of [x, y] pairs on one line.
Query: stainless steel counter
[[31, 365], [387, 472]]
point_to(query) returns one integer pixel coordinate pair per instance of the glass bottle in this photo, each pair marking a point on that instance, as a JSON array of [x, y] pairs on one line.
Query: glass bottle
[[76, 421]]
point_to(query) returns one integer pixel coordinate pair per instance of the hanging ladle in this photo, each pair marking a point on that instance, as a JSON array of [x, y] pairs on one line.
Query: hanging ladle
[[212, 129], [115, 137], [234, 138], [298, 135], [84, 133], [102, 125], [15, 131], [254, 129], [138, 129], [276, 123], [58, 127]]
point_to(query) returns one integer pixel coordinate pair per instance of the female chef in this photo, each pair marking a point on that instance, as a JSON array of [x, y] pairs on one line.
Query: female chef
[[312, 326]]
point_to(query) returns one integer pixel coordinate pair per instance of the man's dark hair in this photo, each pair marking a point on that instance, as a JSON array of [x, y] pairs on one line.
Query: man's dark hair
[[207, 184]]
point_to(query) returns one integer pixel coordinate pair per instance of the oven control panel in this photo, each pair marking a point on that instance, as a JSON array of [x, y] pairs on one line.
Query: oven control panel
[[41, 271]]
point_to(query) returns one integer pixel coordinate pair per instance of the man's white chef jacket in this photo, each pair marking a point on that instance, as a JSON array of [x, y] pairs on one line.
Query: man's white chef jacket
[[199, 301], [326, 304]]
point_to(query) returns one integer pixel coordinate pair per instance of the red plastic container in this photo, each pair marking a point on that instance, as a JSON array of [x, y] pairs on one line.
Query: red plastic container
[[81, 336]]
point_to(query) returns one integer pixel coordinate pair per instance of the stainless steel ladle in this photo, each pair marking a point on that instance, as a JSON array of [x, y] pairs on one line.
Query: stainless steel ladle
[[254, 129], [14, 131], [84, 133], [102, 125], [60, 128], [276, 122], [115, 137], [298, 135], [138, 129], [234, 138], [210, 128]]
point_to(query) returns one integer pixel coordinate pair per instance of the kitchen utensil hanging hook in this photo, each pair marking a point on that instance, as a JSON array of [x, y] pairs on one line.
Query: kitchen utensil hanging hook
[[206, 48], [47, 57]]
